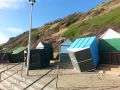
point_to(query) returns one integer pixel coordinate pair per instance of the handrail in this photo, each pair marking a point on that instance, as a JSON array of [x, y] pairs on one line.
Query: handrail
[[22, 69], [57, 76], [7, 70], [37, 79], [4, 66], [11, 75], [48, 83]]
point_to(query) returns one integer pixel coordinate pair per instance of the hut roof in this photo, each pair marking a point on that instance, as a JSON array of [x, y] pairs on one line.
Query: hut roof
[[18, 50], [110, 34], [40, 46], [82, 42]]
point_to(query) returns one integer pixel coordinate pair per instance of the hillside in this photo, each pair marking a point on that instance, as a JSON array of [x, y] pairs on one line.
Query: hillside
[[94, 22]]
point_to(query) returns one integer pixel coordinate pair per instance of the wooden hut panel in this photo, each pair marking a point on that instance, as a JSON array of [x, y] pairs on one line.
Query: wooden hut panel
[[112, 58]]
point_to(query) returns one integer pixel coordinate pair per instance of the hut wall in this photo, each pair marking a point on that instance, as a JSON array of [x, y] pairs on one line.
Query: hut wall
[[109, 51]]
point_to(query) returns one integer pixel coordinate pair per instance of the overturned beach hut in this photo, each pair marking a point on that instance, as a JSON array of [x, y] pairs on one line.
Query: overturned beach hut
[[84, 54], [41, 56], [18, 55], [109, 48], [64, 56]]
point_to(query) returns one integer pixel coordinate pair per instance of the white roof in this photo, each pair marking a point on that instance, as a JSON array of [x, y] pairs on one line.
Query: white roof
[[76, 49], [40, 46], [110, 34]]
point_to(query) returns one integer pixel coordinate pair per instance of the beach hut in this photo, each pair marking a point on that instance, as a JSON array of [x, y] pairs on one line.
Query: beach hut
[[46, 46], [17, 55], [64, 56], [109, 51], [5, 57], [84, 54], [39, 59], [41, 56], [109, 48], [1, 55]]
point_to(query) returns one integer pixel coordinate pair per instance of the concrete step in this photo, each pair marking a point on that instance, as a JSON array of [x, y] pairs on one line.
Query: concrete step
[[17, 83], [17, 86], [10, 79], [10, 82], [39, 85], [23, 81], [4, 86]]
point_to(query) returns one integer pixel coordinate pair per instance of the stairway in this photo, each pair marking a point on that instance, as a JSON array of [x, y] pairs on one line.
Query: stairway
[[16, 82]]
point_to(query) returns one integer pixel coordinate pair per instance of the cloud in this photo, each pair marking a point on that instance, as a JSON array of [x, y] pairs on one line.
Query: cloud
[[14, 30], [3, 38], [11, 4]]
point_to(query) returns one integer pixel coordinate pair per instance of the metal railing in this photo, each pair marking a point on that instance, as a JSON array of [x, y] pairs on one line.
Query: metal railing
[[11, 75], [4, 66], [57, 75], [48, 83], [7, 70], [37, 79]]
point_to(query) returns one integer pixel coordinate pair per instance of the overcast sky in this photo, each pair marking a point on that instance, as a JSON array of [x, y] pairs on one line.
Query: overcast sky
[[14, 14]]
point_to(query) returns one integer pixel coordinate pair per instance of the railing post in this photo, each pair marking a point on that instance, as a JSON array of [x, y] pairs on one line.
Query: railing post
[[58, 68], [22, 69], [0, 77], [7, 66], [57, 76]]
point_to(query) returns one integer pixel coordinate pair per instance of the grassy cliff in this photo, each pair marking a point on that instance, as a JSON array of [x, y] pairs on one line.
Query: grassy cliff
[[95, 22]]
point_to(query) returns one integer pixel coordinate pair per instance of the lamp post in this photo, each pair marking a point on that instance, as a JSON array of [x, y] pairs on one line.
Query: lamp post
[[29, 41]]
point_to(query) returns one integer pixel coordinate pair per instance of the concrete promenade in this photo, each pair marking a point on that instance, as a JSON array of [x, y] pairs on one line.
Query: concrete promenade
[[104, 78]]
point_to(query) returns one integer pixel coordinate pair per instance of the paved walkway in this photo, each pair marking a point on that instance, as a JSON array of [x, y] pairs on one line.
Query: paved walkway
[[104, 78]]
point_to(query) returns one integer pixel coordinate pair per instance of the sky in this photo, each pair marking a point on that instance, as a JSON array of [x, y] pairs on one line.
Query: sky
[[14, 14]]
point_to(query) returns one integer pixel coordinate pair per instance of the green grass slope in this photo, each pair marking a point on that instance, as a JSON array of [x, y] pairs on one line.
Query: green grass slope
[[76, 30]]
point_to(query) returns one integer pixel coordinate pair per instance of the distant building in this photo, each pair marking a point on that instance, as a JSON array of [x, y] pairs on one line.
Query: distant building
[[17, 55], [64, 56]]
